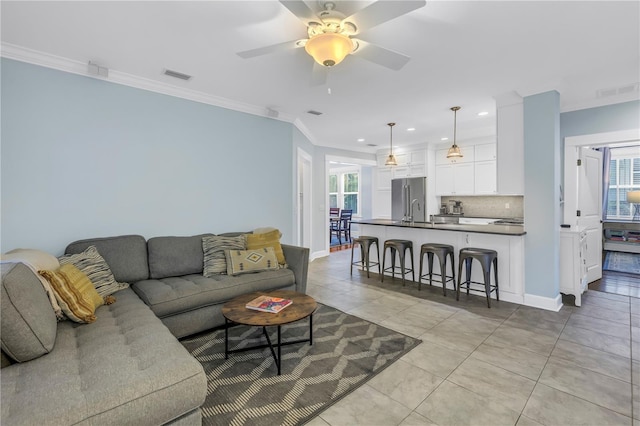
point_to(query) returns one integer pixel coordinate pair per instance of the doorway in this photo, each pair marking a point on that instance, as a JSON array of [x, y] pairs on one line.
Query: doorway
[[349, 185], [303, 199], [583, 184]]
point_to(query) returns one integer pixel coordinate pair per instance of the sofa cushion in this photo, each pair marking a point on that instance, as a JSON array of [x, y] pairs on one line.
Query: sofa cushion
[[170, 296], [91, 263], [267, 239], [175, 256], [125, 368], [37, 260], [215, 261], [28, 322], [126, 255], [75, 293], [251, 261]]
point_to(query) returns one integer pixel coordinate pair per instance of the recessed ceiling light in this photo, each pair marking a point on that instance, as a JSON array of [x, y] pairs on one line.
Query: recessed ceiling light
[[411, 129], [444, 139], [360, 139], [483, 113]]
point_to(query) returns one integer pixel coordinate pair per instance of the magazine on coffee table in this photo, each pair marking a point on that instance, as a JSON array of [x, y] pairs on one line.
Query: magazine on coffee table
[[268, 304]]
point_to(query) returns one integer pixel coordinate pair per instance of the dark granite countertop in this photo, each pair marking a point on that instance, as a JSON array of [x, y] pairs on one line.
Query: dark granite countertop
[[482, 229]]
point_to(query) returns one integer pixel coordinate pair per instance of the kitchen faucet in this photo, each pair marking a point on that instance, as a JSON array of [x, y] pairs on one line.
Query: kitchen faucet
[[410, 218]]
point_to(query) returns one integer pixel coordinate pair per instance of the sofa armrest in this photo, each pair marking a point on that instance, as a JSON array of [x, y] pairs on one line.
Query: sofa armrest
[[298, 261]]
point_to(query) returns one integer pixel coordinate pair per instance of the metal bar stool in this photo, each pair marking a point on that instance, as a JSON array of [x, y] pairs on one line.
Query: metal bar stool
[[442, 251], [486, 257], [365, 244], [400, 246]]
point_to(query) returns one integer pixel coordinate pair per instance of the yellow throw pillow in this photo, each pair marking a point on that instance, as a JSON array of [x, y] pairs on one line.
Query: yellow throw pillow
[[75, 293], [268, 239], [247, 261]]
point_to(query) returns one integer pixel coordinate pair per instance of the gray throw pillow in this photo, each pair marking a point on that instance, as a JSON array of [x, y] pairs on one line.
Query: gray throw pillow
[[28, 321], [215, 261]]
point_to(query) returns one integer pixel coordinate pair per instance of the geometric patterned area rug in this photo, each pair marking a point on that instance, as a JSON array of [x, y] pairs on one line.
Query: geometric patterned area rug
[[622, 262], [246, 390]]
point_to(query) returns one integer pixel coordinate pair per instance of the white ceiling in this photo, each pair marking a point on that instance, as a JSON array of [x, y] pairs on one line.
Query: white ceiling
[[463, 53]]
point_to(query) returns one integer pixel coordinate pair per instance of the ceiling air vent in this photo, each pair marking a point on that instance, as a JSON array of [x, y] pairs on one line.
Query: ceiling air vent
[[628, 88], [371, 144], [314, 112], [177, 74]]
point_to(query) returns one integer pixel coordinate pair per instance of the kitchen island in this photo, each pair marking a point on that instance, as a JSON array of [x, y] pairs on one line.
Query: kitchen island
[[507, 240]]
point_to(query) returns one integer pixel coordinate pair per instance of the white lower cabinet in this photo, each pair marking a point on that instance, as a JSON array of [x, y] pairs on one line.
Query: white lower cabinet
[[573, 264], [510, 263], [510, 250]]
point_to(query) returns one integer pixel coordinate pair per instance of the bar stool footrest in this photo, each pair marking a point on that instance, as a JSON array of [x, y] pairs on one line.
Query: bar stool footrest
[[463, 285]]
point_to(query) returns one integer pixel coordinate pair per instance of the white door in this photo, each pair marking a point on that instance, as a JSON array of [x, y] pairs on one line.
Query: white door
[[590, 208]]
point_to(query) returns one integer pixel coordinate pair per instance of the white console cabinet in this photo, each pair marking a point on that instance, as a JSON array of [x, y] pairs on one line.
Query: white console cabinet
[[573, 263]]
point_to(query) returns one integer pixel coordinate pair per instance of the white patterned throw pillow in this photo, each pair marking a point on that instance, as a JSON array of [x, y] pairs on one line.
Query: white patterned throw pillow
[[247, 261], [214, 247]]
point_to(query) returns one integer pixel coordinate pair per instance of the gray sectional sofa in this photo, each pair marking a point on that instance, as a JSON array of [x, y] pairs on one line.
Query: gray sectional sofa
[[128, 367]]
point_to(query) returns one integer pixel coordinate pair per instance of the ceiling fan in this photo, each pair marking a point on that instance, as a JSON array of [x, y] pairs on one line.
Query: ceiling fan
[[331, 34]]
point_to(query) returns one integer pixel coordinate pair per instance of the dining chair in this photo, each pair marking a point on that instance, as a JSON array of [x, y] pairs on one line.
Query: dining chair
[[342, 226]]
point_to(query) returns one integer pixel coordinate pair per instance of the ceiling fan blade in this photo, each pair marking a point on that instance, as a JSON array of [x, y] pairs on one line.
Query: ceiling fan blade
[[301, 10], [319, 74], [274, 48], [383, 11], [381, 56]]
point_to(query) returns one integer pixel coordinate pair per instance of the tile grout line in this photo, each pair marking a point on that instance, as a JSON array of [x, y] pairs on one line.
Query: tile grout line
[[557, 339]]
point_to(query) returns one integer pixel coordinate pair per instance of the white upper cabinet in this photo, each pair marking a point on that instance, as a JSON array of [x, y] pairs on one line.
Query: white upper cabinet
[[473, 174], [410, 164], [455, 179], [383, 180], [510, 132], [485, 178], [485, 152], [467, 156]]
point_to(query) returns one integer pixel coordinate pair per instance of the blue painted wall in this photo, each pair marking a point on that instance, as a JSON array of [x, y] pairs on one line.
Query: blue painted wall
[[609, 118], [542, 192], [83, 157]]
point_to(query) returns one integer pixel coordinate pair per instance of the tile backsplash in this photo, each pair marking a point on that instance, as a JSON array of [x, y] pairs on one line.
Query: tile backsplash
[[490, 206]]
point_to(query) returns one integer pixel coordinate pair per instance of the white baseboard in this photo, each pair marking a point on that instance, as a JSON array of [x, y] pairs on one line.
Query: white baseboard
[[318, 254], [548, 303], [507, 297]]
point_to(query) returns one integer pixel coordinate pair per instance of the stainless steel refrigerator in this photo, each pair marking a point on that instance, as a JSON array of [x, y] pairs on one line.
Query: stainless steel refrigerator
[[408, 199]]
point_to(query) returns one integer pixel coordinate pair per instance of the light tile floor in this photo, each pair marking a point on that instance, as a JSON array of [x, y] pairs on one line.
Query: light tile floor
[[508, 365]]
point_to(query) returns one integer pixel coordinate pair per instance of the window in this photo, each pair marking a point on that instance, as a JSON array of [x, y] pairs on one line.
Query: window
[[344, 189], [624, 176]]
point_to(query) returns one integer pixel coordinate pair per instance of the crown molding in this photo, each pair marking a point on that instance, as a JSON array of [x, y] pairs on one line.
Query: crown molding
[[47, 60]]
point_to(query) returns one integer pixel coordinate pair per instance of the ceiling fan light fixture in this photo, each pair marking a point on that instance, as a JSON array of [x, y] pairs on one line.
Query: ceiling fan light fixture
[[329, 49], [454, 151]]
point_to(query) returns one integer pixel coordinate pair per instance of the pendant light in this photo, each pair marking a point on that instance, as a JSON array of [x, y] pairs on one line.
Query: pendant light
[[391, 159], [454, 151]]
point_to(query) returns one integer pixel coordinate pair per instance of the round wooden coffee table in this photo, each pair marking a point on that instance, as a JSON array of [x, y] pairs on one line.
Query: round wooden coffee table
[[235, 312]]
